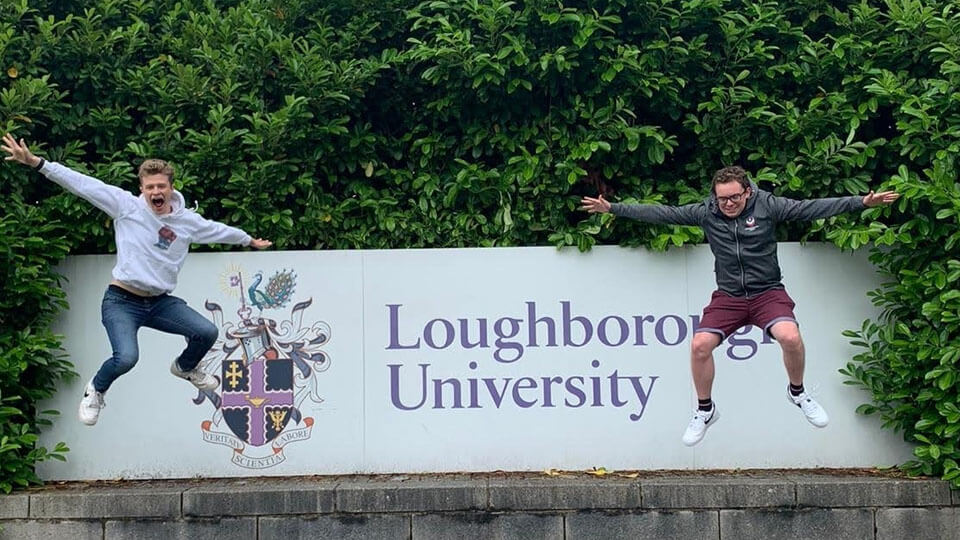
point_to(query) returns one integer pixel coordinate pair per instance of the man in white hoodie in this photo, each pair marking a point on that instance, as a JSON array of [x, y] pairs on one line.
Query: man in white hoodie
[[153, 234]]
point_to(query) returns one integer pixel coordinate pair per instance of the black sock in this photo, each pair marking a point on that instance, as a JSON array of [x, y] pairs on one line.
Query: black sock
[[796, 390], [704, 404]]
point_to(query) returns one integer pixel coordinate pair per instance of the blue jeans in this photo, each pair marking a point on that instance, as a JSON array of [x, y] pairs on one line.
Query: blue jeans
[[124, 313]]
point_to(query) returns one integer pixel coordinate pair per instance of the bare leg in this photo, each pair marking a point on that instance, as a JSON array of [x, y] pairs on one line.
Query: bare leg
[[701, 362], [787, 334]]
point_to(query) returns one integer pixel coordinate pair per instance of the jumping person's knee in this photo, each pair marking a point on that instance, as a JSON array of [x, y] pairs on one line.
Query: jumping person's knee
[[787, 335], [791, 341], [703, 344], [207, 335]]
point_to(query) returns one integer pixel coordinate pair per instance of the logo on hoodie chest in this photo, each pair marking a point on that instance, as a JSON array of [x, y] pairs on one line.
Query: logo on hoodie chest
[[165, 237], [751, 224]]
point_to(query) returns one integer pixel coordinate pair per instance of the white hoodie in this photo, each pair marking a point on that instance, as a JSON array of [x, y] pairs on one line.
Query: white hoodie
[[151, 248]]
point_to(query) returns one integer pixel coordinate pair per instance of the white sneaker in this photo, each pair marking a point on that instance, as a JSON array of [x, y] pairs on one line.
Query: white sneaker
[[90, 405], [812, 410], [203, 381], [699, 424]]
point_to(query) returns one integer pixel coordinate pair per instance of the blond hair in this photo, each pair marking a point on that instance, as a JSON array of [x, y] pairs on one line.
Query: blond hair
[[155, 166]]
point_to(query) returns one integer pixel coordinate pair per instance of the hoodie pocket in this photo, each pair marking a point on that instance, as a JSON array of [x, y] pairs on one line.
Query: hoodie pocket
[[148, 271]]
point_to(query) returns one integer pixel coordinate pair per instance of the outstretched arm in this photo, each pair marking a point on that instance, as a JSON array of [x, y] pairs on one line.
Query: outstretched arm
[[880, 199], [19, 152], [597, 205], [208, 231], [810, 209], [691, 214], [111, 199]]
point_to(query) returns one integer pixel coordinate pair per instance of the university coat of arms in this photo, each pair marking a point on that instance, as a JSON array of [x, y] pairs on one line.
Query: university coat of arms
[[267, 370]]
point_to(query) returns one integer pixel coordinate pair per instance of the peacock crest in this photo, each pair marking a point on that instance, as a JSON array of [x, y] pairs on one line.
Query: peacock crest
[[278, 290]]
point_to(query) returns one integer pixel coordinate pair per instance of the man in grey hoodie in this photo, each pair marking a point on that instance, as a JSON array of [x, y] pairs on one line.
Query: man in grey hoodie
[[738, 220]]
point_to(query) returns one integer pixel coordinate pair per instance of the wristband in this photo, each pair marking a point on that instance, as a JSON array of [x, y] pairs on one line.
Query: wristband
[[39, 165]]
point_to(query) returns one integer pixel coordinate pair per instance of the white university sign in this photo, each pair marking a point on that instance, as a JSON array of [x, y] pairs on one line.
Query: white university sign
[[335, 362]]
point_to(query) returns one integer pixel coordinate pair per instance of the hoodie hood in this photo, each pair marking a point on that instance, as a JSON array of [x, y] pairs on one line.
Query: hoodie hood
[[177, 204]]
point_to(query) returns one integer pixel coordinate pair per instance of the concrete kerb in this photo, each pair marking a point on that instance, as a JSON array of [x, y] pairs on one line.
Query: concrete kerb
[[14, 506], [529, 505], [107, 503], [700, 492], [252, 498], [563, 493], [871, 492], [470, 492], [411, 494]]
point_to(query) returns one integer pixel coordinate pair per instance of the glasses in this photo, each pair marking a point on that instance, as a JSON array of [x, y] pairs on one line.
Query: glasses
[[733, 198]]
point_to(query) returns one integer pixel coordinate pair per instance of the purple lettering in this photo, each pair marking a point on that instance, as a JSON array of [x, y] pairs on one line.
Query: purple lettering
[[533, 322], [438, 393], [428, 333], [395, 387], [597, 401], [523, 383], [615, 390], [494, 394], [602, 331], [567, 330], [638, 325], [735, 342], [394, 310], [474, 392], [514, 325], [575, 390], [548, 383], [681, 330], [464, 334], [642, 395]]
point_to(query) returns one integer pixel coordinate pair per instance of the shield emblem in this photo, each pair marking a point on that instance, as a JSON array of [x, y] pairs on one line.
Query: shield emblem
[[257, 391]]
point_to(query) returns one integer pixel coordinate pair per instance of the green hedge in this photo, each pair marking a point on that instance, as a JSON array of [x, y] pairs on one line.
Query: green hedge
[[30, 360], [343, 124]]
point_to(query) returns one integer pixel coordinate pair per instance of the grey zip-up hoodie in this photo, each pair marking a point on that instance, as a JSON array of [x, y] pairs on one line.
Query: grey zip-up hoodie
[[744, 247]]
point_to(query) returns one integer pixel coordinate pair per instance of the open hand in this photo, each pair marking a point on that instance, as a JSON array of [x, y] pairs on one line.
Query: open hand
[[18, 151], [259, 243], [597, 205], [878, 199]]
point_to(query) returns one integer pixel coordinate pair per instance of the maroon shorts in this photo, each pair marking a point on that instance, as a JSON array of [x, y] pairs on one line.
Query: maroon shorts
[[726, 314]]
